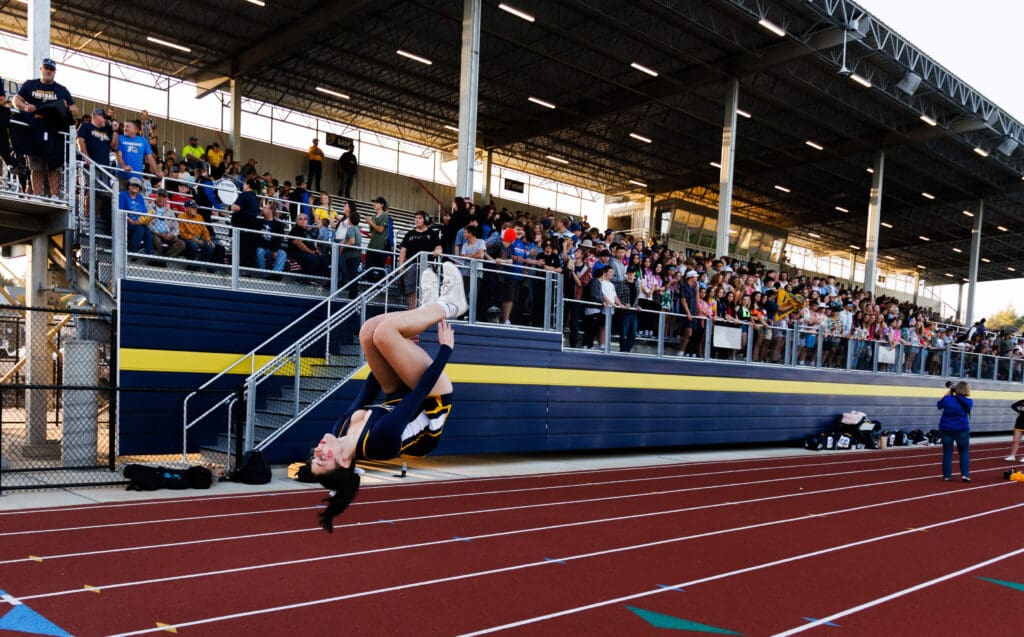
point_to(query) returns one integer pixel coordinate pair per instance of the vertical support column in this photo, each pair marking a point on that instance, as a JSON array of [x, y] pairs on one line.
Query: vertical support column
[[732, 98], [38, 35], [853, 269], [874, 219], [468, 81], [37, 365], [972, 276], [485, 189], [960, 302], [236, 118], [917, 286]]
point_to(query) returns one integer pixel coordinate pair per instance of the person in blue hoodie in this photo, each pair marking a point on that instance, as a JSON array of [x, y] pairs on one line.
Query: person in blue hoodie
[[955, 426]]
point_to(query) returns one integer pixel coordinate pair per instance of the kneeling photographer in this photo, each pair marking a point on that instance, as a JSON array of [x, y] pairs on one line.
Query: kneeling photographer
[[955, 427]]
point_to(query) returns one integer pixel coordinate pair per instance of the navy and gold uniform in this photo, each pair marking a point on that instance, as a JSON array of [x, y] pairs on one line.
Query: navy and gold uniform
[[406, 423]]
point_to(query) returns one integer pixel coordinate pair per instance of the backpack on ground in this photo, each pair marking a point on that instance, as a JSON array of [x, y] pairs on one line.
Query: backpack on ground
[[253, 469], [146, 478], [814, 442]]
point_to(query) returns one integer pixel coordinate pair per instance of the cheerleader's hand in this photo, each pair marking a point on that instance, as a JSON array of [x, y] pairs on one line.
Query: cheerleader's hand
[[445, 334]]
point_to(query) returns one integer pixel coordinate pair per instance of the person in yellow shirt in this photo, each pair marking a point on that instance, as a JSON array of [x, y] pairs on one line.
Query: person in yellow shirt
[[316, 165], [199, 244], [215, 156], [192, 153], [323, 210]]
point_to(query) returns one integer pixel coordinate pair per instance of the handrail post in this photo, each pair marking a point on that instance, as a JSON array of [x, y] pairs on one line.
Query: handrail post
[[874, 357], [298, 379], [362, 321], [548, 282], [820, 346], [327, 336], [118, 239], [236, 256], [559, 306], [250, 413], [335, 264], [661, 334], [607, 329], [474, 289], [91, 185], [963, 358]]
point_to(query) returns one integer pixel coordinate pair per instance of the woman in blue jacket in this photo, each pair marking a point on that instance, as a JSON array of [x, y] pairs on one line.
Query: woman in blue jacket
[[955, 426]]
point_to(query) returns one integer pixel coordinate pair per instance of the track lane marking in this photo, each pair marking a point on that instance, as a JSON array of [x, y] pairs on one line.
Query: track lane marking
[[501, 492], [906, 591], [541, 563]]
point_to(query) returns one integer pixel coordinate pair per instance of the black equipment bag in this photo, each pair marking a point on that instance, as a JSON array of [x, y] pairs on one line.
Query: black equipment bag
[[253, 469], [814, 442], [146, 478]]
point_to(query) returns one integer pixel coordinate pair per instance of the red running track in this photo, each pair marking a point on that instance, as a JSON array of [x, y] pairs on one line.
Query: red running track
[[829, 543]]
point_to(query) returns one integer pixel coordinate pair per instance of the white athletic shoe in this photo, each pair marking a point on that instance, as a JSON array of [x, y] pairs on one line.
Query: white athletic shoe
[[429, 287], [453, 294], [1010, 459]]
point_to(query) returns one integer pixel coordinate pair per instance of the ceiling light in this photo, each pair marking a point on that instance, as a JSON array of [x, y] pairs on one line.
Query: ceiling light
[[887, 225], [1002, 228], [870, 170], [646, 140], [638, 183], [855, 247], [891, 258], [557, 159], [413, 56], [863, 81], [841, 209], [781, 188], [950, 275], [814, 234], [968, 213], [814, 146], [927, 195], [328, 91], [743, 113], [168, 44], [958, 250], [921, 266], [541, 102], [716, 164], [452, 128], [644, 69], [771, 26], [516, 12], [258, 3], [981, 151], [1011, 269], [928, 120], [734, 231], [986, 260], [923, 238]]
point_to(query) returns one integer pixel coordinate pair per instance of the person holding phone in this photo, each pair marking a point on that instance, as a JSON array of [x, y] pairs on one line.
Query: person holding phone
[[955, 427]]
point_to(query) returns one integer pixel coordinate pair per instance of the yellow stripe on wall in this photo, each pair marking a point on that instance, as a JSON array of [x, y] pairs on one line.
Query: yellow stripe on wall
[[150, 360]]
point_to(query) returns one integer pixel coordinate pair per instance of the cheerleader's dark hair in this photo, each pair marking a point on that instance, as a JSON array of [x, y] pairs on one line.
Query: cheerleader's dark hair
[[344, 485]]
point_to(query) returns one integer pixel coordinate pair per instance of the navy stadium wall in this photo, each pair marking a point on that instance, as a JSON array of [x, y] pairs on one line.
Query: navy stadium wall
[[516, 391]]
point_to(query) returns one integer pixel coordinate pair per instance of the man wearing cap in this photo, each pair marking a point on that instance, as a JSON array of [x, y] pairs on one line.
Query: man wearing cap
[[377, 246], [164, 227], [192, 153], [316, 165], [39, 96], [133, 204], [134, 154], [198, 243], [97, 140], [347, 167]]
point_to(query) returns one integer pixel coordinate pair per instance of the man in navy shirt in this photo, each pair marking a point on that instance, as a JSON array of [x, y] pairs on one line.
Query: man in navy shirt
[[43, 96], [96, 140]]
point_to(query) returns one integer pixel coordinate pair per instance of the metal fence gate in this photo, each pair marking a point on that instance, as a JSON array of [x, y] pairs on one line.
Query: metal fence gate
[[58, 416]]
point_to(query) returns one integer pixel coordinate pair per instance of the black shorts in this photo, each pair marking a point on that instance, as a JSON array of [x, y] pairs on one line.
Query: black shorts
[[510, 288], [1019, 425]]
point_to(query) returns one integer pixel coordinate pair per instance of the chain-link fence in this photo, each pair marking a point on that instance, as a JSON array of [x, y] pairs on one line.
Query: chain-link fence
[[57, 422]]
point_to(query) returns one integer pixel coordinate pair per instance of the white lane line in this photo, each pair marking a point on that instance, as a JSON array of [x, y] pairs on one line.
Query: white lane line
[[11, 599], [891, 454], [906, 591], [564, 525], [432, 517], [488, 493], [517, 567], [739, 571]]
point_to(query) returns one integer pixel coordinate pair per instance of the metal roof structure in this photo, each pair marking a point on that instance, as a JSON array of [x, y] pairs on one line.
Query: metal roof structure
[[837, 77]]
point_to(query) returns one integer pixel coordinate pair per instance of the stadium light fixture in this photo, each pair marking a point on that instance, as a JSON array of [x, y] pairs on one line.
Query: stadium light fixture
[[890, 257], [929, 120], [814, 145], [771, 26], [1002, 228], [927, 195], [923, 238], [870, 170], [258, 3], [522, 15], [984, 260], [968, 213], [413, 56], [841, 209], [921, 267], [1011, 269], [958, 250], [327, 91], [557, 159], [855, 247], [454, 129], [170, 45], [638, 137], [638, 183], [540, 102], [782, 188], [980, 151], [950, 275], [860, 79], [887, 225], [743, 113], [644, 69], [814, 235], [716, 164]]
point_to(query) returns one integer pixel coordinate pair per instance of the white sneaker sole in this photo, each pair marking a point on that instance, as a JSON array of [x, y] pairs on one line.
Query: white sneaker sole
[[452, 290]]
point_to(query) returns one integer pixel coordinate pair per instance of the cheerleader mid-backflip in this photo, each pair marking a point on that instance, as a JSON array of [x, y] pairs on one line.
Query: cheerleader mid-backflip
[[417, 392]]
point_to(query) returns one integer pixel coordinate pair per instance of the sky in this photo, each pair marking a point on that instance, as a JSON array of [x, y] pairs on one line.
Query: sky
[[979, 42]]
